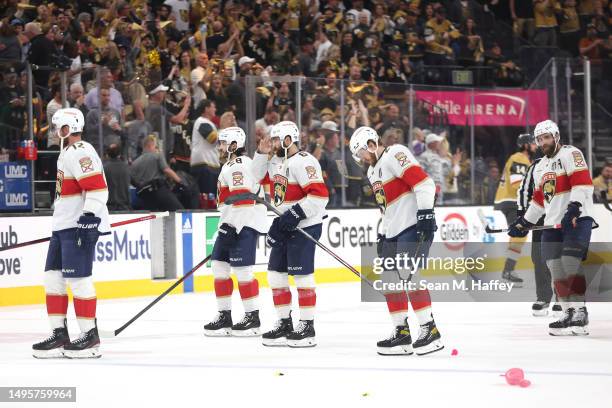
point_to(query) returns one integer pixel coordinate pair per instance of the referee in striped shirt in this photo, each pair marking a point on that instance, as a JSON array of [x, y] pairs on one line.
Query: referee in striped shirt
[[542, 274]]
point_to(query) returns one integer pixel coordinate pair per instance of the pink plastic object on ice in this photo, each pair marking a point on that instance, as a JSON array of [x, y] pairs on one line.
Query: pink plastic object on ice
[[525, 383], [514, 376], [454, 352]]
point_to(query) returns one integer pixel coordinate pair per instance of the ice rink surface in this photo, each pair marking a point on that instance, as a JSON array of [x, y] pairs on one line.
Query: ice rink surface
[[164, 360]]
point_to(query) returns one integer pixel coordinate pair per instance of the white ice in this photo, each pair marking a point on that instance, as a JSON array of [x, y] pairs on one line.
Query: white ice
[[164, 360]]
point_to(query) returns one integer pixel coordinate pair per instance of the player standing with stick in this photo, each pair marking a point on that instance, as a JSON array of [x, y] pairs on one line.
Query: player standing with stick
[[80, 216]]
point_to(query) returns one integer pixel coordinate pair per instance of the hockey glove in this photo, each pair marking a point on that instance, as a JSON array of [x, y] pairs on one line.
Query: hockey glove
[[572, 213], [87, 230], [380, 242], [275, 237], [519, 228], [426, 225], [291, 218], [227, 235], [520, 213]]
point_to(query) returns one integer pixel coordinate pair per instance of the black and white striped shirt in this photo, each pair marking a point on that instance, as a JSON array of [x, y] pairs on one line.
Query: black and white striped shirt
[[526, 189]]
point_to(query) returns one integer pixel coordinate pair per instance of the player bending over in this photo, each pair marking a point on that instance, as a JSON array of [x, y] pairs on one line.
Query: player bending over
[[299, 192], [405, 195], [564, 193], [241, 224], [79, 217]]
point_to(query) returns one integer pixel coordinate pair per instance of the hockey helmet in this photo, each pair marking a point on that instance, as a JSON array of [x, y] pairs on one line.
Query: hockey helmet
[[284, 129], [71, 117], [360, 139], [524, 138], [544, 127], [231, 135]]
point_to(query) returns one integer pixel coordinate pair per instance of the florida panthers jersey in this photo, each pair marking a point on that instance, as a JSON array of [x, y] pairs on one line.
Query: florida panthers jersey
[[80, 187], [237, 177], [299, 180], [558, 181], [400, 187]]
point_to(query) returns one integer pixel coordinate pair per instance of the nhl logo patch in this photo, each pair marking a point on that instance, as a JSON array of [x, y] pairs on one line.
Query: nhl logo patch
[[549, 184], [311, 172], [280, 189], [401, 158], [237, 178], [379, 195], [578, 159], [86, 164]]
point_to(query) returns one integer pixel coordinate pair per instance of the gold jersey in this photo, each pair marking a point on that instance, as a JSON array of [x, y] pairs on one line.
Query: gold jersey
[[514, 172]]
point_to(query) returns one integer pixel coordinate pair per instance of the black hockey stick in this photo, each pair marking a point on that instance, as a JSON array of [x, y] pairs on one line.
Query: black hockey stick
[[604, 200], [256, 198], [490, 230], [115, 333]]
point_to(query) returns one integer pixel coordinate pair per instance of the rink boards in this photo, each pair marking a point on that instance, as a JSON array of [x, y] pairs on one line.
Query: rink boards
[[123, 265]]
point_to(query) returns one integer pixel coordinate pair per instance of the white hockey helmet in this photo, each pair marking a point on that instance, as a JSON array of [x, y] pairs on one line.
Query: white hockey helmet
[[284, 129], [360, 139], [71, 117], [544, 127], [233, 134]]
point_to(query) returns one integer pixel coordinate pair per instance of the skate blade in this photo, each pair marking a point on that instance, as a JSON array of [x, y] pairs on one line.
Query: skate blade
[[48, 354], [405, 350], [540, 313], [560, 332], [303, 343], [516, 284], [82, 354], [280, 342], [227, 332], [254, 332], [432, 347], [579, 331]]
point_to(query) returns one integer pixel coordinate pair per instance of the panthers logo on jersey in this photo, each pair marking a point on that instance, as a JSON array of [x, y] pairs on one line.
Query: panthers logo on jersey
[[280, 189], [379, 195], [59, 182], [549, 183]]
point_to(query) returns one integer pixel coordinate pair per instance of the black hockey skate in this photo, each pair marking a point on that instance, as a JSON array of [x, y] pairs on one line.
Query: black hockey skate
[[580, 321], [249, 326], [540, 308], [86, 346], [221, 326], [400, 342], [53, 346], [278, 335], [303, 335], [510, 277], [557, 310], [562, 327], [429, 340]]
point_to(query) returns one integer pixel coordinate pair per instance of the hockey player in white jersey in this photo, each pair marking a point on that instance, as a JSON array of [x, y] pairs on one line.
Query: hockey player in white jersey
[[299, 192], [564, 194], [405, 195], [79, 217], [240, 225]]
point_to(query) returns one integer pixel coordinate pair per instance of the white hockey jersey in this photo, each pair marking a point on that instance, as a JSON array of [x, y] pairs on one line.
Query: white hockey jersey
[[237, 177], [80, 187], [400, 187], [298, 181], [558, 181]]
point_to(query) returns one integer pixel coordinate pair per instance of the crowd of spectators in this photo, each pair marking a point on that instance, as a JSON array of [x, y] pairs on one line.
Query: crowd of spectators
[[157, 79]]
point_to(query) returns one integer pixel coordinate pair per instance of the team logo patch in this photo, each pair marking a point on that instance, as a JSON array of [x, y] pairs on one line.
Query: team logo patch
[[59, 182], [401, 158], [578, 159], [549, 183], [311, 172], [379, 195], [237, 178], [86, 165], [280, 189]]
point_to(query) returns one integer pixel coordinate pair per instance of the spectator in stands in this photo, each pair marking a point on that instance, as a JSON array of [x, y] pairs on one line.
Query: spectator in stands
[[546, 22], [217, 93], [149, 174], [204, 154], [522, 13], [12, 109], [53, 106], [271, 118], [591, 46], [436, 166], [603, 182], [76, 98], [199, 77], [332, 164], [110, 120], [470, 45], [106, 80], [569, 28], [10, 48], [505, 71], [41, 53], [117, 175], [236, 91], [439, 34]]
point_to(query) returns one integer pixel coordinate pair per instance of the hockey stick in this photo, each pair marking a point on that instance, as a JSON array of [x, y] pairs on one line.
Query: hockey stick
[[255, 197], [604, 200], [115, 333], [151, 216], [490, 230]]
